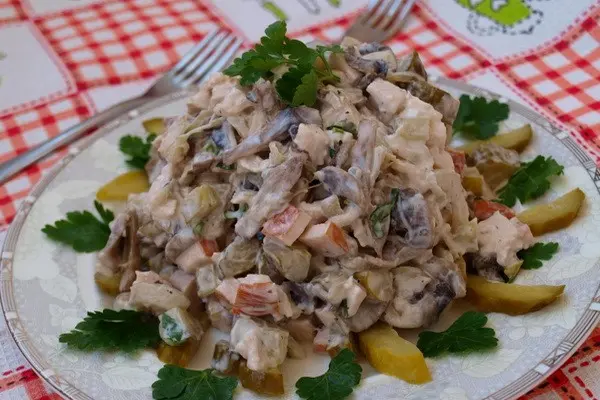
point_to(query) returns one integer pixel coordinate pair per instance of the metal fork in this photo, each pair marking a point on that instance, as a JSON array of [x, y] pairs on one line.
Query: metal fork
[[210, 55], [382, 20]]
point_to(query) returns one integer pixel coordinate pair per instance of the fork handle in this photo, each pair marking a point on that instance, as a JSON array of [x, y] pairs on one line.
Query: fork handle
[[11, 167]]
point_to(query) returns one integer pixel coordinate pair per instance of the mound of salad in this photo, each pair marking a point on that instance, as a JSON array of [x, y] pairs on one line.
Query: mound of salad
[[308, 201]]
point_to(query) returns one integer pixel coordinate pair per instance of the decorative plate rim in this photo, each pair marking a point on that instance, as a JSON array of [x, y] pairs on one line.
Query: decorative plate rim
[[552, 361]]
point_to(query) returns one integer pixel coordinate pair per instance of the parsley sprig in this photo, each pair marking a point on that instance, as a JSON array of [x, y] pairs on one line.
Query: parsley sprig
[[477, 118], [335, 384], [530, 181], [533, 256], [110, 330], [299, 85], [137, 149], [82, 230], [382, 212], [466, 334], [186, 384]]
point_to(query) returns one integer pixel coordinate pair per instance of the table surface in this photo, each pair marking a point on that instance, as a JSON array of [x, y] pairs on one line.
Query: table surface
[[64, 60]]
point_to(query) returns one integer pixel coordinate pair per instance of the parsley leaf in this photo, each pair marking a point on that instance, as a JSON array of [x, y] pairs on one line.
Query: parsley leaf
[[540, 251], [111, 330], [530, 181], [82, 230], [299, 84], [137, 149], [186, 384], [466, 334], [477, 118], [335, 384]]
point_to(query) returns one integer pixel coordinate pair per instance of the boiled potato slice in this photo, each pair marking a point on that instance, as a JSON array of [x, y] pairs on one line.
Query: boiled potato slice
[[516, 139], [108, 284], [155, 126], [178, 355], [123, 185], [508, 298], [268, 382], [390, 354], [555, 215]]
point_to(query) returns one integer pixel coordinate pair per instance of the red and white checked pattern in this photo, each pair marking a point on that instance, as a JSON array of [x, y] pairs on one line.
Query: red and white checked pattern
[[565, 77], [11, 11], [23, 383]]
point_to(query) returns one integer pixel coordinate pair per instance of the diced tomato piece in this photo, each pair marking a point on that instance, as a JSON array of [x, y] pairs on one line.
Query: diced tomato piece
[[256, 299], [483, 209], [209, 246], [459, 159], [337, 235]]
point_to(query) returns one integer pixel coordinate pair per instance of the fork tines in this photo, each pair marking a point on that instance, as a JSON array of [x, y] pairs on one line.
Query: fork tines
[[211, 54]]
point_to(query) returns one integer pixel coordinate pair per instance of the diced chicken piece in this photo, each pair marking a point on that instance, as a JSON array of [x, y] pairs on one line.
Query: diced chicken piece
[[262, 346], [326, 238], [313, 140], [149, 277], [194, 258], [220, 317], [177, 326], [387, 97], [337, 110], [183, 282], [206, 280], [154, 294], [227, 290], [342, 291], [503, 238], [288, 225]]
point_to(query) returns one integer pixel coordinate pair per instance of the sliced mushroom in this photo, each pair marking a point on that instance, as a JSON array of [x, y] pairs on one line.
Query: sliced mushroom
[[371, 68], [342, 184], [224, 136], [410, 219], [368, 313], [273, 196], [486, 267], [122, 251], [276, 130]]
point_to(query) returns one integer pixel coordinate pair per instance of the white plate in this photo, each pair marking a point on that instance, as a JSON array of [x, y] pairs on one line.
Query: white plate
[[47, 288]]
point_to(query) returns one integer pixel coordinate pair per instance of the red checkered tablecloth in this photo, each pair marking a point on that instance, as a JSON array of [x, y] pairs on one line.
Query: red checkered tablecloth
[[64, 60]]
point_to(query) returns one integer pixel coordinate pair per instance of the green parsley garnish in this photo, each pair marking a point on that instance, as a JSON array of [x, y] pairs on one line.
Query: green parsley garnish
[[533, 256], [530, 181], [335, 384], [185, 384], [381, 213], [477, 118], [137, 149], [211, 147], [298, 85], [82, 230], [226, 167], [111, 330], [466, 334]]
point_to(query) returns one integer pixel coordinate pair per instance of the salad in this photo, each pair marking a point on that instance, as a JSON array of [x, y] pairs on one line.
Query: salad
[[310, 196]]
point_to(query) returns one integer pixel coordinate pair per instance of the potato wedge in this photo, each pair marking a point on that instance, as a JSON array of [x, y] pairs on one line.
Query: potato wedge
[[390, 354], [516, 139], [508, 298], [268, 382], [123, 185], [155, 126], [555, 215], [178, 355]]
